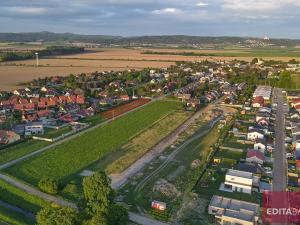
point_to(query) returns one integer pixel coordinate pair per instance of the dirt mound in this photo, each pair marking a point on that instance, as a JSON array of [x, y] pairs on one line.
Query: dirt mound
[[164, 187]]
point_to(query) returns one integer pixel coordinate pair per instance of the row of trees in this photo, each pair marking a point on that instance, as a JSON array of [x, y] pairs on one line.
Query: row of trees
[[49, 51], [98, 209]]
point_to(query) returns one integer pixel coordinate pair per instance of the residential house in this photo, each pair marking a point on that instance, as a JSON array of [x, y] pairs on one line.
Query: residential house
[[231, 211], [260, 145], [255, 156], [34, 128], [8, 137], [258, 102], [255, 134], [240, 181], [254, 168]]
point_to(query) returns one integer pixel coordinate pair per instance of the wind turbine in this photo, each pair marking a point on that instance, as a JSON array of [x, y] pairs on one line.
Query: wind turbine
[[37, 58]]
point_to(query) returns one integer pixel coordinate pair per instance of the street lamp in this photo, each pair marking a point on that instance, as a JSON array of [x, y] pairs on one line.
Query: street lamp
[[37, 59]]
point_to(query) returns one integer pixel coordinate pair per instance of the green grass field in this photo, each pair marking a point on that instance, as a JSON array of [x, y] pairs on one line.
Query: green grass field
[[255, 52], [19, 198], [143, 142], [20, 149], [53, 133], [13, 218], [73, 156]]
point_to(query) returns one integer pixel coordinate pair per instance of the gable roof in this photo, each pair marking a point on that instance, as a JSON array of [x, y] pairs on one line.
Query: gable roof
[[255, 153]]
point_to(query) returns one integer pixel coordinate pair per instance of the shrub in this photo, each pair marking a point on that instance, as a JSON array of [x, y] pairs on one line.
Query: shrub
[[48, 185]]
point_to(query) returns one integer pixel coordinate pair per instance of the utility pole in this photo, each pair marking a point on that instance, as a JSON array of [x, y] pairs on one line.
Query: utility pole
[[37, 59]]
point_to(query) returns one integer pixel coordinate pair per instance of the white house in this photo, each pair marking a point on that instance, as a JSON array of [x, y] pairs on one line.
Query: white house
[[255, 135], [232, 211], [34, 128], [240, 181], [260, 145]]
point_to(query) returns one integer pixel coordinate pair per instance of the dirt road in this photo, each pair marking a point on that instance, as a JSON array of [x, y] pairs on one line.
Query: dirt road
[[118, 180]]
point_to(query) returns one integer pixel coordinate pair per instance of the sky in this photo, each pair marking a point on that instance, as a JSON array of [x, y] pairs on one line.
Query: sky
[[255, 18]]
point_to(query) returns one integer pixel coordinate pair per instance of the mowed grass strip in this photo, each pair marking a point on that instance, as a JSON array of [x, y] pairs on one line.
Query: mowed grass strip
[[143, 142], [21, 199], [21, 149], [73, 156], [13, 218]]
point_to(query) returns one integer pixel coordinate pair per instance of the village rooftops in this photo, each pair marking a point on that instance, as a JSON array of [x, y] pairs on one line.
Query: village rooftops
[[264, 91], [238, 173]]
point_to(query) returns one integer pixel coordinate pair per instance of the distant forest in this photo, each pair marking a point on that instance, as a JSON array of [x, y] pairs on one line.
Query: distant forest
[[49, 51], [141, 40]]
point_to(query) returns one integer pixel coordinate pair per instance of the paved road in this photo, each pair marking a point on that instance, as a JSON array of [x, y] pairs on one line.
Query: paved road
[[279, 153]]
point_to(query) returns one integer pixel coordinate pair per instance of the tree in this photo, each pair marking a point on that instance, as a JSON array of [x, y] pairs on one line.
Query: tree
[[254, 61], [118, 215], [98, 193], [58, 216], [96, 220], [48, 185]]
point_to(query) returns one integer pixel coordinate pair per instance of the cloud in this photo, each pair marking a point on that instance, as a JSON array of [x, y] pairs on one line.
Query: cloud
[[26, 10], [167, 11], [202, 4], [258, 5]]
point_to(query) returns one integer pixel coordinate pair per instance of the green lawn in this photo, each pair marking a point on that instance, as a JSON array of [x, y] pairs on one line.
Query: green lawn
[[224, 153], [53, 133], [94, 120], [13, 218], [73, 156], [210, 183], [143, 142], [19, 198], [21, 149]]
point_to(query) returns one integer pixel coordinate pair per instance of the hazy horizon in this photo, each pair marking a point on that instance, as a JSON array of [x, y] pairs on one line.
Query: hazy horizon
[[239, 18]]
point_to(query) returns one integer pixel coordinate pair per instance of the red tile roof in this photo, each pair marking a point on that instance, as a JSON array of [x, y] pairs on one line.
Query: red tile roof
[[259, 100], [255, 153]]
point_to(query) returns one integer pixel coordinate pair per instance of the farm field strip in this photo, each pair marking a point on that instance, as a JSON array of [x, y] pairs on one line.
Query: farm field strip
[[71, 157], [142, 143], [117, 111]]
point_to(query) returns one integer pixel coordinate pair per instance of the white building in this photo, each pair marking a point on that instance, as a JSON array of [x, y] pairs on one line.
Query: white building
[[255, 135], [264, 91], [240, 181], [34, 128], [230, 211]]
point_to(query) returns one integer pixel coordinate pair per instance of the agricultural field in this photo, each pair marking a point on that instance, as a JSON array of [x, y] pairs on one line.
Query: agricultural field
[[17, 72], [143, 142], [20, 149], [117, 111], [71, 157]]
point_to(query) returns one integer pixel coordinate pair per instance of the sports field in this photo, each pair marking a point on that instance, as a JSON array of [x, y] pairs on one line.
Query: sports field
[[71, 157]]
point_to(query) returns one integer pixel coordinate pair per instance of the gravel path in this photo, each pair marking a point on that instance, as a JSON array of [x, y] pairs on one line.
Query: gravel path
[[36, 192], [143, 220]]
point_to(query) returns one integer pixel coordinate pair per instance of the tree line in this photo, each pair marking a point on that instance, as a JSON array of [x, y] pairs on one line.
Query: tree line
[[49, 51]]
